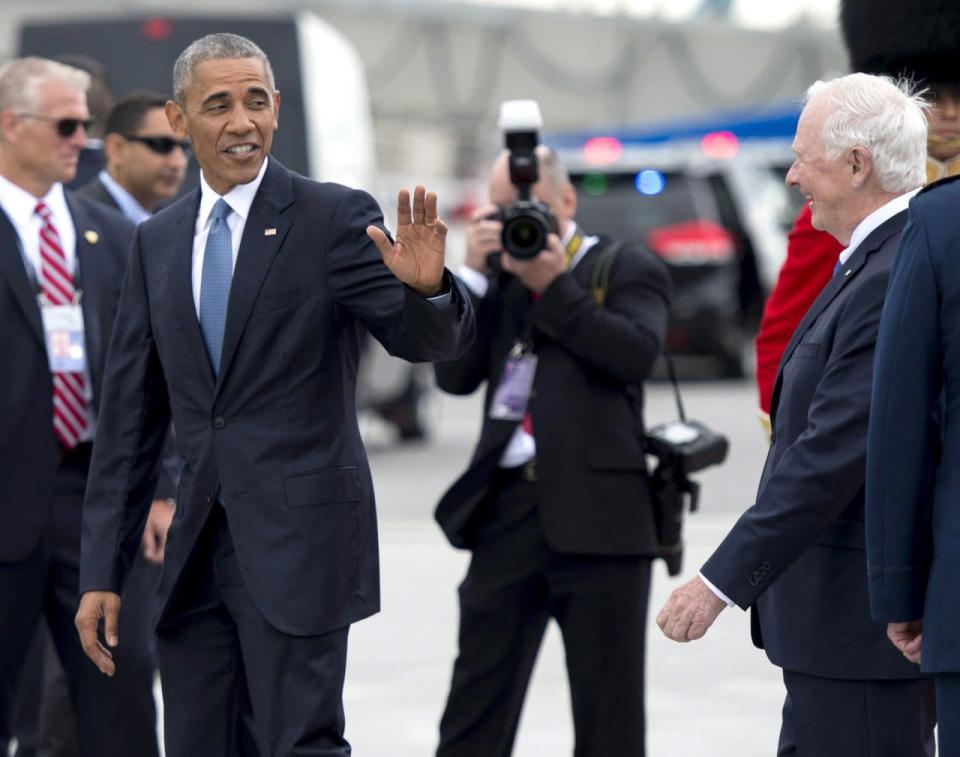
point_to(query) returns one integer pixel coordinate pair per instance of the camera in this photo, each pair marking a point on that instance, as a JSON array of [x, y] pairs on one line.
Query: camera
[[526, 222], [680, 447]]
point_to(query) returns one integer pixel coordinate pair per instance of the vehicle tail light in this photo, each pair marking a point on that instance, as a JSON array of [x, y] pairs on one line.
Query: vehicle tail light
[[693, 243]]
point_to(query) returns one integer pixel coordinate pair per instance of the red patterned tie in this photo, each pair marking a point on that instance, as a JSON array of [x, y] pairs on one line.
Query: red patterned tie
[[70, 418]]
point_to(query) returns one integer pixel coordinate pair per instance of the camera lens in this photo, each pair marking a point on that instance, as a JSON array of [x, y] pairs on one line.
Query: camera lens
[[524, 237]]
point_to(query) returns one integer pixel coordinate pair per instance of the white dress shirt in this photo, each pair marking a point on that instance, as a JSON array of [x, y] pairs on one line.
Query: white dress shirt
[[874, 221], [19, 206], [522, 447], [240, 199], [864, 229]]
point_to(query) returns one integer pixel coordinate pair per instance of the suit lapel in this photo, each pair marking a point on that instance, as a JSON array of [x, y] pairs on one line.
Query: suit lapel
[[180, 281], [13, 269], [847, 273], [89, 282], [257, 250]]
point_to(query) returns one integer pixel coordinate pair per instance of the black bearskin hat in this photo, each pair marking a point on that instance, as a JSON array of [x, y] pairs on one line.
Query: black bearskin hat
[[918, 39]]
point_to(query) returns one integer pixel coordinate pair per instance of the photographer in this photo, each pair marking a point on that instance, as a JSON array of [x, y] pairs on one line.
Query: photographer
[[556, 504]]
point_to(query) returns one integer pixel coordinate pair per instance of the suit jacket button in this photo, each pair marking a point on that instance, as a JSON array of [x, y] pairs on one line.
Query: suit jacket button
[[219, 422]]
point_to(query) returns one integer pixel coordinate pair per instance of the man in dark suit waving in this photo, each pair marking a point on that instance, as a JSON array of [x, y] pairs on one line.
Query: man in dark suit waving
[[243, 315], [62, 261], [797, 555]]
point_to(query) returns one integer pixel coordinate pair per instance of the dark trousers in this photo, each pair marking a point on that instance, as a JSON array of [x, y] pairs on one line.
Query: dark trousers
[[217, 653], [114, 716], [514, 585], [44, 724], [827, 717], [948, 707]]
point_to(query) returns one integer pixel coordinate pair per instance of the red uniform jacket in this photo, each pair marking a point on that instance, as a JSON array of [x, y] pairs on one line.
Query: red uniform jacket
[[811, 257]]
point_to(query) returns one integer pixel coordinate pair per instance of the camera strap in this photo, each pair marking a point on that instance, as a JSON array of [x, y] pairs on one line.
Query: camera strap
[[599, 284], [573, 246]]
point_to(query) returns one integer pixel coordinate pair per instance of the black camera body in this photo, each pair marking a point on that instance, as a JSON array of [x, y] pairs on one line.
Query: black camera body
[[680, 447], [526, 222]]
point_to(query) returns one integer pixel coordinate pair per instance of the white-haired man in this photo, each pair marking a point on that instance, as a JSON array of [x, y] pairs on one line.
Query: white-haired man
[[62, 260], [796, 557]]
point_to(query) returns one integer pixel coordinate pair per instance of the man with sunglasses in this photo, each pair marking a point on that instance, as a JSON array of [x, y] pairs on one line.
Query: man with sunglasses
[[62, 260], [145, 162]]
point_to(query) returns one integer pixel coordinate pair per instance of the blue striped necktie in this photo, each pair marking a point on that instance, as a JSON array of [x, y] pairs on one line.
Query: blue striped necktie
[[215, 281]]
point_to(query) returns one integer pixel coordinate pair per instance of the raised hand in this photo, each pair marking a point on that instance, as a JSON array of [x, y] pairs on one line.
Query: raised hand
[[417, 258]]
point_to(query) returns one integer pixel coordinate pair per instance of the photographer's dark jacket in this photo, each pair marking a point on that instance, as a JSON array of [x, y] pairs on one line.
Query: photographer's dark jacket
[[587, 403]]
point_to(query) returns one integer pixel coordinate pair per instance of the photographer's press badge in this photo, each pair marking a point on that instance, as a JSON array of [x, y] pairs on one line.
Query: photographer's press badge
[[516, 383], [63, 327]]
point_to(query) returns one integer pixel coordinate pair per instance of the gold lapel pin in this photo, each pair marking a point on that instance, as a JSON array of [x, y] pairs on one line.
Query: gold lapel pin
[[269, 232], [91, 236]]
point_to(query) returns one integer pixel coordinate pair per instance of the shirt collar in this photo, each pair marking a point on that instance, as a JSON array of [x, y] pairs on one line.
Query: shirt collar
[[240, 198], [20, 205], [129, 205], [585, 245], [874, 221]]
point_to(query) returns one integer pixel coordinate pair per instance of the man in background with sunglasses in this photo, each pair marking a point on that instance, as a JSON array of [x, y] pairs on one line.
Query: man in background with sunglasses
[[62, 260], [145, 162]]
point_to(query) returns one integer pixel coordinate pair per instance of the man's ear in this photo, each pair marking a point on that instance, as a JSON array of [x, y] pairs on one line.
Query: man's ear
[[113, 146], [276, 109], [860, 163], [176, 118], [8, 120], [568, 197]]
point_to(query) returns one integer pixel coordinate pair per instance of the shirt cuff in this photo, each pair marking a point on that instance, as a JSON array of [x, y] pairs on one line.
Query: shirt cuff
[[715, 590], [441, 301], [475, 281]]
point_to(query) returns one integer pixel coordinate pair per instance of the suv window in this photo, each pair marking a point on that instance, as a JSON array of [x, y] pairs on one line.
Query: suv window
[[613, 203]]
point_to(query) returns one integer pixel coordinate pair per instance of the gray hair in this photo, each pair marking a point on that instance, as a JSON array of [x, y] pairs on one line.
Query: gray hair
[[885, 117], [220, 46], [21, 79]]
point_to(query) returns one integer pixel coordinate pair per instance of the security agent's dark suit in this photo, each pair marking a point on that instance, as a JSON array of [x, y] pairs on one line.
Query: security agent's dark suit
[[267, 582], [577, 544], [96, 191], [40, 503], [797, 555], [913, 490]]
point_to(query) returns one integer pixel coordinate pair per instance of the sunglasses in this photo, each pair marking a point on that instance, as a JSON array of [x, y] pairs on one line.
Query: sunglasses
[[160, 145], [65, 126]]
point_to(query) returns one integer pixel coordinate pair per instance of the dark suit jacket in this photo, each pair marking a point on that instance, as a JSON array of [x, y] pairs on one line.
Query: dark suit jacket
[[171, 464], [30, 450], [95, 190], [276, 432], [797, 555], [913, 517], [587, 405]]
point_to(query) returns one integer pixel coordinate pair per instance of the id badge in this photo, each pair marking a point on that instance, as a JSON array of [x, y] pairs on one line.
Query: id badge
[[516, 383], [63, 326]]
